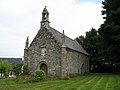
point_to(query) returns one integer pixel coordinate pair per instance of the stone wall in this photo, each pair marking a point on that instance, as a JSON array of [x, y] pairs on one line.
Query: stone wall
[[44, 49], [77, 63]]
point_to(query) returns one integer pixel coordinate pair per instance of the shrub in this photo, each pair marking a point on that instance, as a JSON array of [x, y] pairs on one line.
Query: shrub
[[39, 74]]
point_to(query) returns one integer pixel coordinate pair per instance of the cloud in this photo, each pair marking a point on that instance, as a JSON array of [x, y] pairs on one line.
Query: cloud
[[21, 18]]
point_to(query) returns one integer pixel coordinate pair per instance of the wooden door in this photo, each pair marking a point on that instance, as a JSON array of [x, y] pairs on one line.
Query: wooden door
[[43, 67]]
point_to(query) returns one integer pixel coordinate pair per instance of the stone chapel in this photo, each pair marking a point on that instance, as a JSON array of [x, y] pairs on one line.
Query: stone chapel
[[54, 52]]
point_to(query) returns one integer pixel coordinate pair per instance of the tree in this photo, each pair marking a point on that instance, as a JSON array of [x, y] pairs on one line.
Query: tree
[[91, 43], [5, 66], [104, 45], [110, 33], [17, 69], [80, 40]]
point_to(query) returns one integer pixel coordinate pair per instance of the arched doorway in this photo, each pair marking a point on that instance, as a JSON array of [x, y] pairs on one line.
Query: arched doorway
[[43, 67]]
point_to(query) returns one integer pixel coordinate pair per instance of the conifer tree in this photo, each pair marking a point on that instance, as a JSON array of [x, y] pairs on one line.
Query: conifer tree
[[110, 33], [91, 43]]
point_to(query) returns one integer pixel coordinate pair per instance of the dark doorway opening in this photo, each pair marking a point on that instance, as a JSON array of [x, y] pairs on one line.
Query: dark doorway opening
[[43, 67]]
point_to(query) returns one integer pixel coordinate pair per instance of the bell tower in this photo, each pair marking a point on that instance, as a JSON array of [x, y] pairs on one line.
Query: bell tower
[[45, 18]]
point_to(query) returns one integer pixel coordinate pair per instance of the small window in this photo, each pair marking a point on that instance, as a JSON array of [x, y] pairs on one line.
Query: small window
[[43, 51]]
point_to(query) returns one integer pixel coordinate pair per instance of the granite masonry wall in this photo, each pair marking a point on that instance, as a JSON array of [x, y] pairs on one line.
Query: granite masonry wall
[[45, 49], [77, 63], [60, 61]]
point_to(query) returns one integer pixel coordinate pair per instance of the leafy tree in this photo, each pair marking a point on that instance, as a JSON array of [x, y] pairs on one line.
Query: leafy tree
[[110, 33], [5, 66]]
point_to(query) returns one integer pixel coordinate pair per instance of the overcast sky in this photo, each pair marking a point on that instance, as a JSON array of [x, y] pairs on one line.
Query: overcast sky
[[21, 18]]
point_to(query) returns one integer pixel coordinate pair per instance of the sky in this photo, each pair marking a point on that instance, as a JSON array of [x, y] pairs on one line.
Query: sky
[[21, 18]]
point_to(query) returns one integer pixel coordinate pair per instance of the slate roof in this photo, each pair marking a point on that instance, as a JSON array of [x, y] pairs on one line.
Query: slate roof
[[71, 44], [14, 61]]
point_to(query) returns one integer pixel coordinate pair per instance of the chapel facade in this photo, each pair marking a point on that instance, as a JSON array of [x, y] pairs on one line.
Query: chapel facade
[[54, 52]]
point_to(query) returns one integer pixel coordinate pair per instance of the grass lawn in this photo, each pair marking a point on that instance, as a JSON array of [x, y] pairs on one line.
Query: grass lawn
[[82, 82]]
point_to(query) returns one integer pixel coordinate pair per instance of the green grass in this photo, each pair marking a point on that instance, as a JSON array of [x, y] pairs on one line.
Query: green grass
[[82, 82]]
